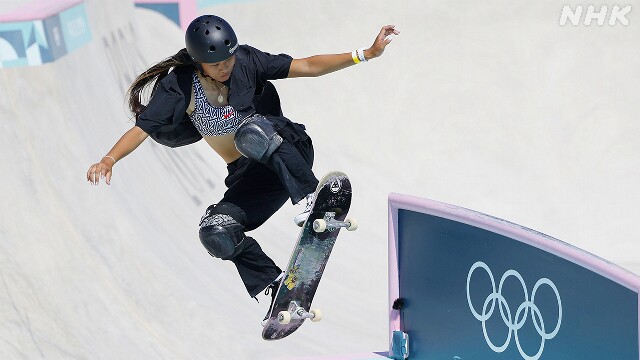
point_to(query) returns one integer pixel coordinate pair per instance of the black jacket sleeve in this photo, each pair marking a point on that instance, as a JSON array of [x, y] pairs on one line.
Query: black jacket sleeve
[[165, 118], [270, 67]]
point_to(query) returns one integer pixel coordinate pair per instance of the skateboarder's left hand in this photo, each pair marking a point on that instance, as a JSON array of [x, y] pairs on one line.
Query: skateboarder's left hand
[[101, 170], [385, 36]]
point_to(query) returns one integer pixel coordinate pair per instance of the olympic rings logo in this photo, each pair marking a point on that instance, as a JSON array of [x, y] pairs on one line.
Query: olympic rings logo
[[514, 323]]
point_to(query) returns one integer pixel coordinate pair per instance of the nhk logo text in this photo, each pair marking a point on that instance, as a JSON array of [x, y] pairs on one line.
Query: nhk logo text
[[585, 15]]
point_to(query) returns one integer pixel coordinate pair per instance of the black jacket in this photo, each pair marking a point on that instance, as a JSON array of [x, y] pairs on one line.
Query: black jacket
[[165, 118]]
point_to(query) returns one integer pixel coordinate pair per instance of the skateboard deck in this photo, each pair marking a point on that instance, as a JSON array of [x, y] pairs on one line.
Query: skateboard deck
[[309, 258]]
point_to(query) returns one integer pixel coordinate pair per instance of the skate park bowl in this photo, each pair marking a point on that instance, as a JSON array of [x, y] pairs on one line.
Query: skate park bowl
[[499, 109], [478, 287]]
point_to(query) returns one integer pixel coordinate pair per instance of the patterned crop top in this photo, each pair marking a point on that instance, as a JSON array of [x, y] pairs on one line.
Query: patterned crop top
[[212, 120]]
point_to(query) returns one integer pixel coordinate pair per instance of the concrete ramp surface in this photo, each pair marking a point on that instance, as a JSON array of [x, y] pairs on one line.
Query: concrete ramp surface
[[493, 106]]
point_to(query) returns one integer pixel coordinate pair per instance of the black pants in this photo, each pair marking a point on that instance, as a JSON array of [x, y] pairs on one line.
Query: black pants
[[259, 191]]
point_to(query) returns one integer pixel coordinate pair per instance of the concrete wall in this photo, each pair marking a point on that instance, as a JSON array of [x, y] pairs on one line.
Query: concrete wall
[[492, 106]]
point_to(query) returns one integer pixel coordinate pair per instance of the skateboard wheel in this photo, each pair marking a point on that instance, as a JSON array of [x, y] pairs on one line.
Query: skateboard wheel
[[317, 315], [284, 317], [353, 224], [319, 225]]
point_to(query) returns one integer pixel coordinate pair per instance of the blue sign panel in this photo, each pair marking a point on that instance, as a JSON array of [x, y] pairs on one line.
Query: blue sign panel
[[170, 11], [472, 294], [39, 41], [55, 39], [75, 27], [14, 43]]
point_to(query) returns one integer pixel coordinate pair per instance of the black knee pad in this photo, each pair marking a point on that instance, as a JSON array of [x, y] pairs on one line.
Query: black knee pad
[[222, 230], [257, 139]]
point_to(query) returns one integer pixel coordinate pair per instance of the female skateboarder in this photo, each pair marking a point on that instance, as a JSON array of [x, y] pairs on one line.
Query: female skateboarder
[[218, 90]]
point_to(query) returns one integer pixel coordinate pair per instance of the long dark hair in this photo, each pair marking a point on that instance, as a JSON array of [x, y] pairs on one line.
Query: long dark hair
[[155, 73]]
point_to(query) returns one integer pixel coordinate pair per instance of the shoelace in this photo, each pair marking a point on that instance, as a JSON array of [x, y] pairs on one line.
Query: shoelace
[[271, 289], [267, 291], [310, 201]]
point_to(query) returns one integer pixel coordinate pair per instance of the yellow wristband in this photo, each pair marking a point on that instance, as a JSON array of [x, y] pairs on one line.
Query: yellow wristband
[[354, 56]]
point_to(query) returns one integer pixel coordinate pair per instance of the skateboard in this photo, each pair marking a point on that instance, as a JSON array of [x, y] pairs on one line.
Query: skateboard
[[291, 306]]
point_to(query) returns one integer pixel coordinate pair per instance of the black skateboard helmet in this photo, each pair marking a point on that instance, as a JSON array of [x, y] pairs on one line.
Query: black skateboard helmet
[[210, 39]]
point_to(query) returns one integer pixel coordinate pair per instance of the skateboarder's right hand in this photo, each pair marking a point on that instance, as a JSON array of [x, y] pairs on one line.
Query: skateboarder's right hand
[[127, 143]]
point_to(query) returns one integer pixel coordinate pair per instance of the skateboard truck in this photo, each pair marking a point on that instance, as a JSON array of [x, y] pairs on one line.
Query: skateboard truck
[[329, 223], [297, 312]]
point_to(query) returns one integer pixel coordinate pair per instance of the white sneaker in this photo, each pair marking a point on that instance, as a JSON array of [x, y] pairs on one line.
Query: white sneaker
[[302, 217]]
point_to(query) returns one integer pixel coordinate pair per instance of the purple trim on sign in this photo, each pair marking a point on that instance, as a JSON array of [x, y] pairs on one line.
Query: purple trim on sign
[[528, 236], [38, 10], [394, 285]]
